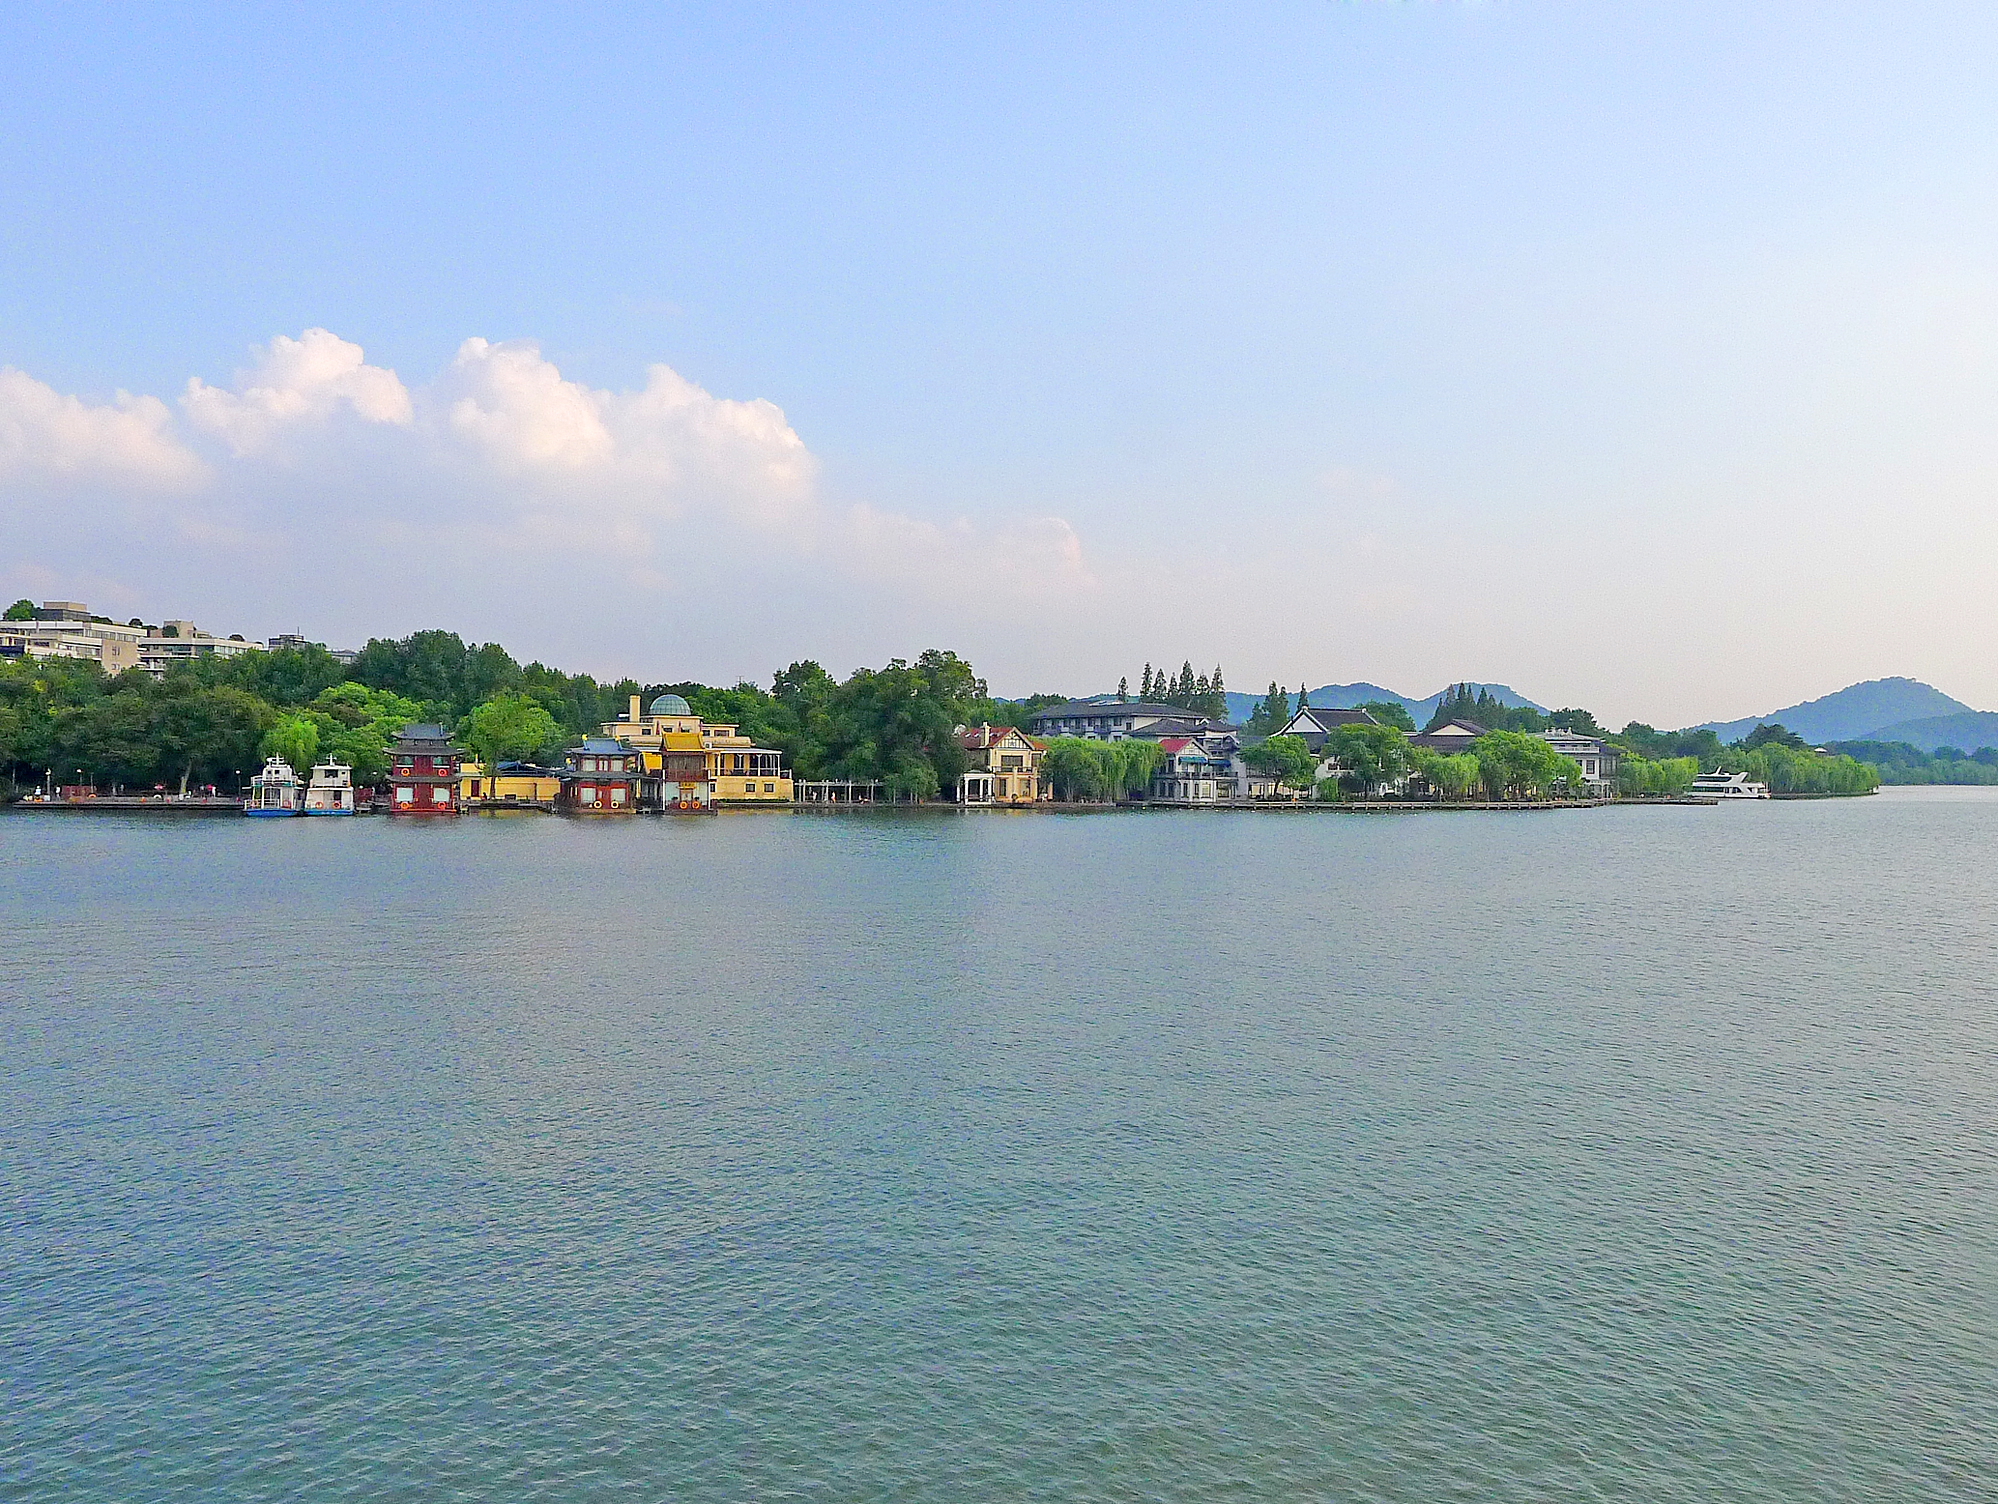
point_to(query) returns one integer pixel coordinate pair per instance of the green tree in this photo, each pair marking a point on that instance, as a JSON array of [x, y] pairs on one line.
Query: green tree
[[22, 610], [1367, 757], [289, 676], [356, 725], [1130, 765], [1663, 776], [1074, 770], [1469, 702], [1578, 721], [131, 731], [1390, 713], [509, 727], [1517, 765], [1779, 735], [294, 738], [1287, 759], [438, 669], [1458, 775]]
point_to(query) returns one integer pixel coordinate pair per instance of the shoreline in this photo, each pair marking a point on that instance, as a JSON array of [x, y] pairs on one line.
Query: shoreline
[[139, 805]]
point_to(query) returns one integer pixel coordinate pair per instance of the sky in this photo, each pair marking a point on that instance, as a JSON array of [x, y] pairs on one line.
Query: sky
[[1641, 356]]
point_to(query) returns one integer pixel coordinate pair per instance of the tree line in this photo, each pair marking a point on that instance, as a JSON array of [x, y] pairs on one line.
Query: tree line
[[1200, 694], [1368, 758], [212, 721], [1900, 762]]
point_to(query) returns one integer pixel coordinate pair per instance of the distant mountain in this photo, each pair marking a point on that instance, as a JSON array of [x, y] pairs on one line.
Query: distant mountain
[[1966, 731], [1856, 712], [1346, 696]]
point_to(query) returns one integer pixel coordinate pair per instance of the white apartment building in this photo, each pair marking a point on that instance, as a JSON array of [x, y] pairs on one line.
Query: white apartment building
[[179, 641], [63, 629], [66, 629]]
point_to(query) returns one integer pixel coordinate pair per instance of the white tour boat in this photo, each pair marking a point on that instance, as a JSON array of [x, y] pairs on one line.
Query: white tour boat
[[331, 791], [1727, 786], [273, 791]]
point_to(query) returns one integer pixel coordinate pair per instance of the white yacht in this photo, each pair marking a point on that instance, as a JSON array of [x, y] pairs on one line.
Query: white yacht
[[1719, 785]]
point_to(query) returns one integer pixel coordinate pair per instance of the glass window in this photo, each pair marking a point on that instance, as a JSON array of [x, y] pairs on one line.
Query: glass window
[[404, 794], [440, 795]]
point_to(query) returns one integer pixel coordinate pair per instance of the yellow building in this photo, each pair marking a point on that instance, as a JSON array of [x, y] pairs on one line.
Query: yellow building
[[515, 783], [1005, 766], [739, 771]]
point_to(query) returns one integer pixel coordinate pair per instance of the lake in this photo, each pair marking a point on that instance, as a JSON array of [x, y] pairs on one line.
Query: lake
[[1615, 1154]]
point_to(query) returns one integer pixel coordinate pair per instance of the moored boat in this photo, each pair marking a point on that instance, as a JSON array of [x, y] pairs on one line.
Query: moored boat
[[1719, 785], [273, 791], [331, 791]]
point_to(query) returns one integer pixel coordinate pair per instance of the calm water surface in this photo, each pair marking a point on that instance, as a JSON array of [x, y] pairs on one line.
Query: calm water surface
[[1633, 1154]]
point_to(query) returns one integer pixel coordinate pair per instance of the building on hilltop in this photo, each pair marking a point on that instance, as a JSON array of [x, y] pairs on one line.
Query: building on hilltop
[[423, 771], [66, 629], [183, 641]]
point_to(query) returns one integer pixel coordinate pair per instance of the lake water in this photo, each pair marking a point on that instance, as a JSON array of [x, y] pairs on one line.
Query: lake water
[[1625, 1154]]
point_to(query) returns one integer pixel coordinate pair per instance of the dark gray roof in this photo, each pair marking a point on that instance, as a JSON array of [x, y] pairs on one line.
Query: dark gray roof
[[1437, 742], [423, 731], [1078, 708], [1329, 718], [1181, 725]]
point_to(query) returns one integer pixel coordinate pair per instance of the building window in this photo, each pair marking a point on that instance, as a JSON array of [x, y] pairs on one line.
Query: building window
[[769, 788], [440, 795], [617, 796], [404, 794]]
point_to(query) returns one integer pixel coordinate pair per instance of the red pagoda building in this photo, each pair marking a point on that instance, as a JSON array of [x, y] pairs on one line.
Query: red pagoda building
[[601, 779], [423, 772]]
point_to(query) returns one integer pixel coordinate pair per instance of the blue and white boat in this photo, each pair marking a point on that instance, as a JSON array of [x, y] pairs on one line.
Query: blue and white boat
[[331, 791], [273, 791]]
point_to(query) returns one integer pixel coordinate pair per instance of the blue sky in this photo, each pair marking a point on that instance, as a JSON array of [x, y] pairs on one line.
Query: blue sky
[[1638, 355]]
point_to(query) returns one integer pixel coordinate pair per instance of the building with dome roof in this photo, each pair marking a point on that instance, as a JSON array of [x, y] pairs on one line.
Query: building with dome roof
[[731, 768]]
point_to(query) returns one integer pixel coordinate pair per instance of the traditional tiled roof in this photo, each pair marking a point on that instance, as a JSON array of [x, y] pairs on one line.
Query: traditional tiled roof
[[423, 731], [1329, 719]]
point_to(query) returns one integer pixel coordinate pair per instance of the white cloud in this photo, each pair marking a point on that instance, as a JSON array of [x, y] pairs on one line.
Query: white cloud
[[295, 381], [562, 450], [331, 487], [46, 437], [508, 403]]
